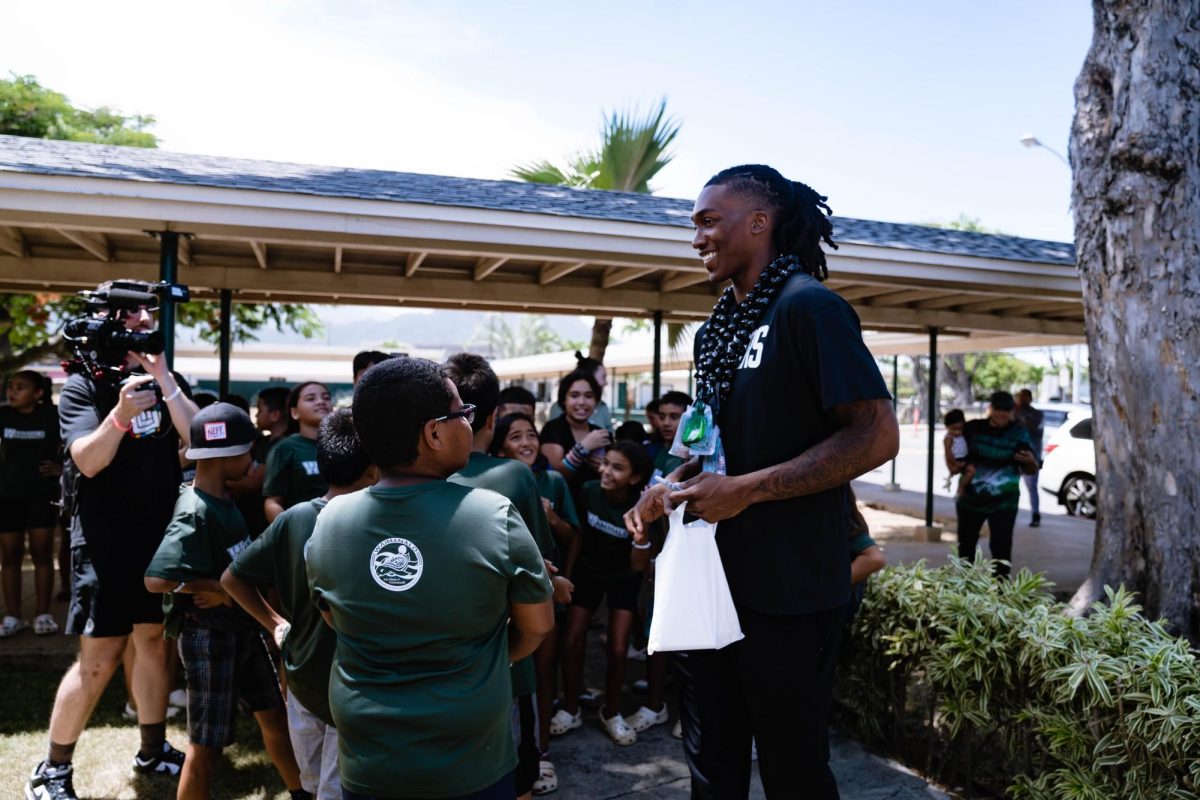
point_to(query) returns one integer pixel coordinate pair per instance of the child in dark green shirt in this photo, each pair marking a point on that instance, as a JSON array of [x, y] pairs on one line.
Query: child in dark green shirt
[[222, 648], [434, 589], [277, 559], [292, 475]]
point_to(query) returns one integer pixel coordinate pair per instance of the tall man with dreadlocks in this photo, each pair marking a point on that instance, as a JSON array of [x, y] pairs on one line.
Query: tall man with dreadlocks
[[802, 410]]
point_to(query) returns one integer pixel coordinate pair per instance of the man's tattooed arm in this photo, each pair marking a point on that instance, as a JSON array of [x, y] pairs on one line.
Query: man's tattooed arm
[[869, 436]]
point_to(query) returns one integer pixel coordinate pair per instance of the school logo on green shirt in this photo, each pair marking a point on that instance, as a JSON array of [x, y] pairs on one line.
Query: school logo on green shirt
[[396, 564]]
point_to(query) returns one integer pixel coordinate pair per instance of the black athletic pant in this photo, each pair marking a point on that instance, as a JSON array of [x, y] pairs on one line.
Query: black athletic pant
[[776, 686], [1000, 535]]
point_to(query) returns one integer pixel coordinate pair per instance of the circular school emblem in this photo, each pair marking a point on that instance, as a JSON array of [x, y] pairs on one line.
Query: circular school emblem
[[396, 564]]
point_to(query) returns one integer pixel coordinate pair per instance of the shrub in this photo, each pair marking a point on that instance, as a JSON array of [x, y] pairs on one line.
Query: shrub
[[991, 682]]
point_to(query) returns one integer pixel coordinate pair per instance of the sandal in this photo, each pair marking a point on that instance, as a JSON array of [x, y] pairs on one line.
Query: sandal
[[618, 730], [11, 626], [564, 721], [44, 624], [547, 781], [644, 718]]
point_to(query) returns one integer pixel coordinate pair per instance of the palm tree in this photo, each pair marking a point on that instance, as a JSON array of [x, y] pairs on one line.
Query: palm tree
[[632, 151]]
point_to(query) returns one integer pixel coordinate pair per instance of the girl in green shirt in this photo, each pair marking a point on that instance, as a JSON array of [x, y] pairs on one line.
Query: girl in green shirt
[[292, 474]]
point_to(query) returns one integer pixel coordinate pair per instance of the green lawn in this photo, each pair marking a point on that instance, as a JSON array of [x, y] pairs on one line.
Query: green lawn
[[106, 749]]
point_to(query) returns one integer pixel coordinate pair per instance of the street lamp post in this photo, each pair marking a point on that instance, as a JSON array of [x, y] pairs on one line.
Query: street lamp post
[[1029, 140]]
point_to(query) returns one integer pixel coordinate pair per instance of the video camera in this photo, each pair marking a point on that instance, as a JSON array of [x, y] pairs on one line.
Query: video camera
[[100, 339]]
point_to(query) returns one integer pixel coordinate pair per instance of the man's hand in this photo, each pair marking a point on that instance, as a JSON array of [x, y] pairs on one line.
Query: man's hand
[[133, 401], [155, 366], [712, 497], [650, 506], [1026, 460]]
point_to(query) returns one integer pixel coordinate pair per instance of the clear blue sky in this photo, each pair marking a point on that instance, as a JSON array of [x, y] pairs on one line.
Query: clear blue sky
[[898, 111]]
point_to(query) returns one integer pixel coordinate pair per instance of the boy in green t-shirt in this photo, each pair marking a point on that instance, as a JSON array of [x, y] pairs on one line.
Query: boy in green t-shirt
[[433, 589], [222, 648], [477, 384], [277, 559], [671, 408]]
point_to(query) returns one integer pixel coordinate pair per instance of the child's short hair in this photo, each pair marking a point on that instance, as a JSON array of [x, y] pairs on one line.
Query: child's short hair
[[652, 407], [367, 358], [681, 399], [340, 455], [954, 416], [630, 432], [392, 403], [476, 383], [275, 398], [236, 400], [639, 461], [570, 378], [516, 396]]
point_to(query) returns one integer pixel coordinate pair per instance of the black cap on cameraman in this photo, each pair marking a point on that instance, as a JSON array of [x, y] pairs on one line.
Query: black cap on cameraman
[[221, 429]]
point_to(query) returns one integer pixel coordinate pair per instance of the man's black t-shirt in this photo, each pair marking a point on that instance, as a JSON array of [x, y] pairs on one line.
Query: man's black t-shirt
[[130, 501], [806, 357]]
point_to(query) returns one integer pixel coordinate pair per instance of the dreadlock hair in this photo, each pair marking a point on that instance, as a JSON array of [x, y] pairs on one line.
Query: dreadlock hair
[[800, 214]]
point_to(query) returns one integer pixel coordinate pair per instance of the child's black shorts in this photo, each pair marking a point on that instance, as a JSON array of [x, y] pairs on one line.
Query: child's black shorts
[[590, 590], [19, 514]]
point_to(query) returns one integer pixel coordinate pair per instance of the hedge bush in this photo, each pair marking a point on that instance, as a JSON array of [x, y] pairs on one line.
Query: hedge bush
[[992, 684]]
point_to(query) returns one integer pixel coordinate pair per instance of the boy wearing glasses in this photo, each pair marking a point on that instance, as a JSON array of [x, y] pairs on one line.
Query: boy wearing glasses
[[434, 589]]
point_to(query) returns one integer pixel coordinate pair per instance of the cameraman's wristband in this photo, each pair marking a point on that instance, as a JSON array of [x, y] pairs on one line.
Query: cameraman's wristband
[[117, 424]]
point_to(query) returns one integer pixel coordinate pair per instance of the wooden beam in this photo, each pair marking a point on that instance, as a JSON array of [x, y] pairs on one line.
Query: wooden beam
[[12, 241], [260, 253], [681, 280], [996, 304], [905, 297], [486, 266], [185, 250], [337, 259], [412, 263], [95, 243], [860, 292], [615, 276], [553, 270]]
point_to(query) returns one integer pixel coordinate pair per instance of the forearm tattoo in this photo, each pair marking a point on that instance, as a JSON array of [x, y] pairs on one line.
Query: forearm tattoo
[[845, 455]]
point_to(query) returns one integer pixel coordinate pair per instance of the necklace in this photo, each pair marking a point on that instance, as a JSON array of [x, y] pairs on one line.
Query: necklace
[[728, 331]]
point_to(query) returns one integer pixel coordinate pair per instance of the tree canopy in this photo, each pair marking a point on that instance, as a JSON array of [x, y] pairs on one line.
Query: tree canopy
[[31, 324]]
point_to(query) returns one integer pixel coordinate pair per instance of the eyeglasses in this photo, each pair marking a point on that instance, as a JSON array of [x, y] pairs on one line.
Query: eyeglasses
[[467, 412]]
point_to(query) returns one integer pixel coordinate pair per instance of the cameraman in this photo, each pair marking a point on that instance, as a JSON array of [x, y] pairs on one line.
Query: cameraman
[[124, 440]]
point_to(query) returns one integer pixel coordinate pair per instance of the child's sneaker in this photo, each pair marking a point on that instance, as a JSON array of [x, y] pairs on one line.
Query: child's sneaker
[[644, 718], [51, 783], [12, 626], [168, 762], [130, 713], [177, 698], [618, 730], [44, 625], [564, 721]]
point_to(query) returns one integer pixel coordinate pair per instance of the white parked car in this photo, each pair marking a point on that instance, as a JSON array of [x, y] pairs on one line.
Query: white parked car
[[1069, 469]]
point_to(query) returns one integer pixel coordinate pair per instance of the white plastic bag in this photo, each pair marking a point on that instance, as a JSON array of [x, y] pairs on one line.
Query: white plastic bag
[[693, 609]]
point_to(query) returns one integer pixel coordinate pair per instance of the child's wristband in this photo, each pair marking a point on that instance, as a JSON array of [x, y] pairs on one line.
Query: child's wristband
[[645, 546]]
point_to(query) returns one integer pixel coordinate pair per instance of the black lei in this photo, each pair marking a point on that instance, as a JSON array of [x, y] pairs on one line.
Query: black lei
[[728, 331]]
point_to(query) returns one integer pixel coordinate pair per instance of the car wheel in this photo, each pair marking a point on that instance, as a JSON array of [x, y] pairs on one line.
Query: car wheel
[[1079, 496]]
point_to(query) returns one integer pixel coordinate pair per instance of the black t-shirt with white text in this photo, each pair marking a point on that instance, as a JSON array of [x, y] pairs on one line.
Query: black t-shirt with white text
[[805, 357], [131, 500]]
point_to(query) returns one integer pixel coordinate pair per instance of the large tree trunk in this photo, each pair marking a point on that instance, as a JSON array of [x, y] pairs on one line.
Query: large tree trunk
[[960, 378], [1135, 151], [601, 330]]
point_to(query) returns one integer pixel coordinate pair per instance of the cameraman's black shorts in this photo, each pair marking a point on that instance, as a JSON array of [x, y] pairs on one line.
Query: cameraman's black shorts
[[108, 590], [20, 514]]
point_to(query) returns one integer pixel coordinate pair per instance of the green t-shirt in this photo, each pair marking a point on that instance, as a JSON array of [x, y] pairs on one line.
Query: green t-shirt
[[996, 485], [26, 440], [276, 558], [292, 471], [553, 486], [514, 480], [664, 462], [204, 536], [606, 543], [419, 580]]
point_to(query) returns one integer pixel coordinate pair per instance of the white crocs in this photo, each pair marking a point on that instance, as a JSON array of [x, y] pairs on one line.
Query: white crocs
[[44, 625], [564, 721], [618, 730], [547, 780], [644, 718], [12, 626]]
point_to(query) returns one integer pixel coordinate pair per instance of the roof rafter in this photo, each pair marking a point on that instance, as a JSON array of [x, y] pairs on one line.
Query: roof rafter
[[486, 266], [681, 280], [553, 270], [412, 263], [337, 259], [95, 243], [615, 276], [12, 241], [260, 253]]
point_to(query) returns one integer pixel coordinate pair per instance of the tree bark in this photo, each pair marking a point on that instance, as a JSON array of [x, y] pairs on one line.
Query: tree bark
[[961, 379], [1135, 154], [601, 330]]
